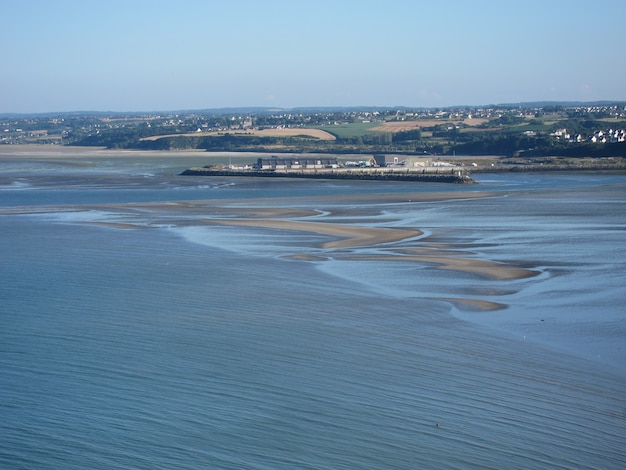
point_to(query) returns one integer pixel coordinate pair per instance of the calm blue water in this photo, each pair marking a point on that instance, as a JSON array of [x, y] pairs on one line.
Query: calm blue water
[[186, 345]]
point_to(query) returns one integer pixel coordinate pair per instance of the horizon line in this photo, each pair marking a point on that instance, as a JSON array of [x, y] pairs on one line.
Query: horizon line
[[538, 103]]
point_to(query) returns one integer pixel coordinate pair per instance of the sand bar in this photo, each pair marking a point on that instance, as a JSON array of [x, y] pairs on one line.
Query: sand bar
[[473, 304], [351, 236], [489, 269], [354, 236]]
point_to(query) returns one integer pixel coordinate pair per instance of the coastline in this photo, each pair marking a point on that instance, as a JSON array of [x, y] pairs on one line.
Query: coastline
[[485, 163]]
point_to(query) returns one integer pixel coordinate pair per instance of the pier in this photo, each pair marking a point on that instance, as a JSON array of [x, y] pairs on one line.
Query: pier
[[430, 175]]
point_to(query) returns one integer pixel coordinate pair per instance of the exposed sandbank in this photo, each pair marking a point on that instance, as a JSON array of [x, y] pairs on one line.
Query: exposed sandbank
[[351, 236], [473, 304], [354, 236], [272, 213], [348, 236], [489, 269]]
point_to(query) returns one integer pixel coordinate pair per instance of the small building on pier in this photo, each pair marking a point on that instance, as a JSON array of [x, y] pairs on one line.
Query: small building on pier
[[296, 163]]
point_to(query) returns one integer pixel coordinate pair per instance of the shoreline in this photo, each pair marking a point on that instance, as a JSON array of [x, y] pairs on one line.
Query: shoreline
[[67, 151], [487, 164]]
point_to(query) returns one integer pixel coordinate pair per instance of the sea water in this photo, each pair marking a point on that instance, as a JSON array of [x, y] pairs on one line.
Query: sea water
[[187, 346]]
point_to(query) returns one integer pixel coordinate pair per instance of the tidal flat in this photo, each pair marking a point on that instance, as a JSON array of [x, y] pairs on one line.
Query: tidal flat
[[158, 321]]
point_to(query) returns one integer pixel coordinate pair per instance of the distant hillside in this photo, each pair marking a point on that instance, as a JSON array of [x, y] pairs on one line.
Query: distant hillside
[[529, 130], [310, 109]]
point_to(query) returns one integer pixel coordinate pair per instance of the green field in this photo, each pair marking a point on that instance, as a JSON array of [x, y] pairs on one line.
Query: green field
[[343, 131]]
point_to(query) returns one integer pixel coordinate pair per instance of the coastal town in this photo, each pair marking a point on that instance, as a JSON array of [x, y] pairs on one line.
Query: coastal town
[[520, 137]]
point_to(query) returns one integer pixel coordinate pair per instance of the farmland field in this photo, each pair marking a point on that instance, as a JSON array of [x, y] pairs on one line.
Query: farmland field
[[279, 132], [334, 131], [399, 126], [355, 129], [292, 132]]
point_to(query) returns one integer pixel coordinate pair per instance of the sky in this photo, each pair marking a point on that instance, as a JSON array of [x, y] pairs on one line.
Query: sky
[[154, 55]]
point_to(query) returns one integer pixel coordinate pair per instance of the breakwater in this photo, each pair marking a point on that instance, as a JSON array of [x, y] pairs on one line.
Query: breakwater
[[535, 168], [378, 174]]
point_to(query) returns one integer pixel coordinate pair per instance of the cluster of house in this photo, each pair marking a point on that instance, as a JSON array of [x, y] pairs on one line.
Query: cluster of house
[[598, 136], [376, 161], [296, 163]]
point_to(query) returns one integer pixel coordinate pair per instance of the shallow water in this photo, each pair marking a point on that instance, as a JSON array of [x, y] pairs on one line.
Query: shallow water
[[189, 345]]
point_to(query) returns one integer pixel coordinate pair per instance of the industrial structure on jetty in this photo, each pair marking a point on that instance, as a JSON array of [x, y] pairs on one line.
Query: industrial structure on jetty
[[375, 168]]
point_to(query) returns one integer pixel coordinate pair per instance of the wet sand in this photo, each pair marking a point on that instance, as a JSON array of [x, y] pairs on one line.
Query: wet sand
[[70, 152], [345, 239], [342, 236], [354, 236], [350, 236], [473, 304], [489, 269]]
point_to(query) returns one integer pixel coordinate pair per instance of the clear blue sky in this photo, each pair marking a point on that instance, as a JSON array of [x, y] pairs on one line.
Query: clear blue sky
[[147, 55]]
